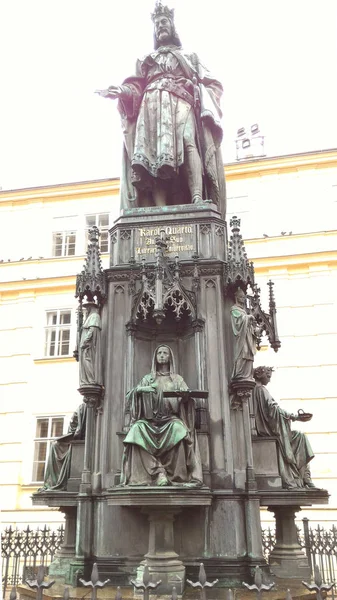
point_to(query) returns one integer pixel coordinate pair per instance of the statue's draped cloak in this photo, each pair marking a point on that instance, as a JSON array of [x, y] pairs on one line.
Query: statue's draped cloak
[[155, 108], [295, 449], [244, 347], [161, 437], [59, 460], [91, 355]]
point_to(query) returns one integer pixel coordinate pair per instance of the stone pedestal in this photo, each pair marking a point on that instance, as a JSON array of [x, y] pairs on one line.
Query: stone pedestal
[[288, 560], [161, 505], [163, 562]]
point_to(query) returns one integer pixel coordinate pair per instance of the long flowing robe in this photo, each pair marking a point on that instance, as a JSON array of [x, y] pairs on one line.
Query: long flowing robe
[[295, 449], [161, 440], [59, 460], [157, 104], [245, 343], [90, 358]]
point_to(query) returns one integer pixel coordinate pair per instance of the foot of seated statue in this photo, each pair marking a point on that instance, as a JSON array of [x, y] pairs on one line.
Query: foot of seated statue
[[308, 483], [193, 484], [162, 480]]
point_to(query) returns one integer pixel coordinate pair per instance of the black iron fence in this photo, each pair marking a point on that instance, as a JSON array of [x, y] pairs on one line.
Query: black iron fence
[[319, 544], [23, 551], [146, 586]]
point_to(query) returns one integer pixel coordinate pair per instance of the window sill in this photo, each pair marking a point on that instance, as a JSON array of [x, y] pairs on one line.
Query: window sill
[[51, 359]]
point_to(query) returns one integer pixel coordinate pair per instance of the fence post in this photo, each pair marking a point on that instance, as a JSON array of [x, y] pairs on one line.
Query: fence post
[[305, 522]]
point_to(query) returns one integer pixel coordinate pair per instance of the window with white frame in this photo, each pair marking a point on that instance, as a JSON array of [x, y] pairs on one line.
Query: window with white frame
[[57, 333], [64, 243], [102, 222], [47, 429]]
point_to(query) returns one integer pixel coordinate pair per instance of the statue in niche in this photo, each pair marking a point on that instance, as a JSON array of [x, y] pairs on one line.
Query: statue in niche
[[161, 447], [245, 332], [90, 354], [295, 451], [170, 116], [58, 465]]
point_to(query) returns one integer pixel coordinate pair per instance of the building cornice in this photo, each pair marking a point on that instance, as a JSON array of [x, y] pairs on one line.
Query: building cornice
[[304, 262], [238, 170], [62, 192], [281, 164]]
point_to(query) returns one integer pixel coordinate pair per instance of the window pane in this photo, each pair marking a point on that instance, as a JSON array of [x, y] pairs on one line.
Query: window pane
[[64, 342], [57, 427], [90, 220], [42, 428], [70, 243], [104, 239], [40, 451], [103, 220], [57, 244], [38, 471], [50, 342], [51, 318], [65, 318]]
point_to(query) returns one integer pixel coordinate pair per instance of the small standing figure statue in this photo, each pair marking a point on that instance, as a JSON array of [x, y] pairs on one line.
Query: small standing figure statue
[[90, 355], [295, 451], [245, 332], [161, 447]]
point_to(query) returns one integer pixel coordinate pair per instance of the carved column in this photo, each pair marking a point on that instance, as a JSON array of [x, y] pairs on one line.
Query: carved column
[[242, 391], [287, 560], [91, 395], [198, 329]]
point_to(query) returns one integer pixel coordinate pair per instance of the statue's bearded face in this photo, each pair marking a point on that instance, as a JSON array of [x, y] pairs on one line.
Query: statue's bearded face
[[265, 376], [163, 355], [163, 29]]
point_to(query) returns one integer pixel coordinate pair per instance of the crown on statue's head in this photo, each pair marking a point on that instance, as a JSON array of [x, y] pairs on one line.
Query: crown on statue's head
[[160, 10]]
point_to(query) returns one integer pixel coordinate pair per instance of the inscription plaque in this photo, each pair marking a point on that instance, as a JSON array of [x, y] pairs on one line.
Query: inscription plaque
[[180, 239]]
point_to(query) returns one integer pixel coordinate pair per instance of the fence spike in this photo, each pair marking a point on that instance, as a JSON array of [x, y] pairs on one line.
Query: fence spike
[[318, 586], [13, 595], [230, 595], [118, 594], [39, 584], [288, 595], [202, 574], [174, 595], [94, 582], [66, 594], [258, 586], [202, 583], [146, 585]]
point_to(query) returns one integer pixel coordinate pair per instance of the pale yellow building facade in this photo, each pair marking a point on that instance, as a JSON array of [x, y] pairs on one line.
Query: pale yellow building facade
[[288, 211]]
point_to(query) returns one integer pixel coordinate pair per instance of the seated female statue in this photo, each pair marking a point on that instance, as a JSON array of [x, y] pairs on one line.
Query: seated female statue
[[161, 447]]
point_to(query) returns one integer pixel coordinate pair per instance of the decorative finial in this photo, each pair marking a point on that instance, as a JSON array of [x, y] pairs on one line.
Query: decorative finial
[[238, 269], [91, 282]]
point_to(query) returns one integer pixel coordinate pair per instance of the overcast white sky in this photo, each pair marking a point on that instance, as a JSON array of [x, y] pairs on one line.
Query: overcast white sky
[[277, 60]]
